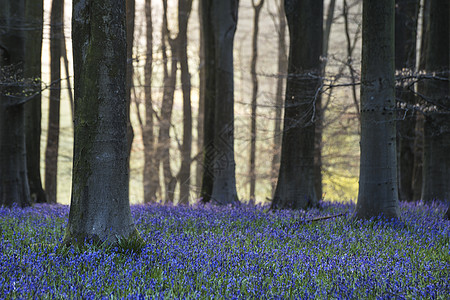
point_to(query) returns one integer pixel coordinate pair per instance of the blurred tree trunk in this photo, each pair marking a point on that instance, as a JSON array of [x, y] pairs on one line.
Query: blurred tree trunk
[[163, 150], [295, 188], [319, 109], [378, 192], [151, 175], [436, 162], [184, 10], [14, 188], [252, 171], [219, 24], [100, 209], [201, 101], [282, 69], [130, 12], [34, 14], [51, 152], [406, 16]]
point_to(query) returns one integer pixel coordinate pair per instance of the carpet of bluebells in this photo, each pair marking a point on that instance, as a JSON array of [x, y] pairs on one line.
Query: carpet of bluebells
[[232, 253]]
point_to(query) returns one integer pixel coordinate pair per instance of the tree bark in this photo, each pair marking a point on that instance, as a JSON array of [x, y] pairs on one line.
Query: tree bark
[[184, 10], [151, 175], [378, 193], [34, 14], [252, 168], [99, 209], [201, 101], [295, 188], [14, 188], [436, 162], [282, 69], [406, 16], [51, 152]]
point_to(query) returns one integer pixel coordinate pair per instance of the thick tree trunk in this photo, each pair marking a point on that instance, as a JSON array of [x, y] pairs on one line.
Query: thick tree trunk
[[51, 152], [436, 162], [224, 16], [295, 187], [252, 171], [34, 12], [406, 15], [99, 209], [184, 10], [378, 193], [282, 69], [150, 176], [14, 188]]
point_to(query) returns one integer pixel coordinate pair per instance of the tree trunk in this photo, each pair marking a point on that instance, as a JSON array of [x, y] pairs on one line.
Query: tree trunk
[[378, 193], [151, 175], [163, 150], [295, 188], [282, 69], [51, 152], [209, 151], [14, 188], [436, 162], [406, 16], [252, 171], [130, 11], [224, 16], [184, 10], [99, 209], [34, 12]]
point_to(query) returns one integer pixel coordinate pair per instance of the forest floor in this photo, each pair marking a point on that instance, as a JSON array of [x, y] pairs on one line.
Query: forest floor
[[232, 253]]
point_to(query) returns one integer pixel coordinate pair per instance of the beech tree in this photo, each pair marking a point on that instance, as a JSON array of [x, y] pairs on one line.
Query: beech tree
[[436, 160], [99, 209], [378, 192], [219, 20], [14, 186], [295, 187], [34, 14]]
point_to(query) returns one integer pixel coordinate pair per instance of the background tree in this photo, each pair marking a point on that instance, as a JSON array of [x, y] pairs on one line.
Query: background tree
[[14, 186], [130, 19], [51, 152], [34, 14], [252, 168], [219, 25], [99, 207], [150, 176], [406, 16], [184, 11], [378, 192], [436, 161], [295, 187]]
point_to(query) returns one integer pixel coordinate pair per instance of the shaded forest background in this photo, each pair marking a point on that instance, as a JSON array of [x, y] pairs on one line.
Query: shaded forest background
[[340, 149]]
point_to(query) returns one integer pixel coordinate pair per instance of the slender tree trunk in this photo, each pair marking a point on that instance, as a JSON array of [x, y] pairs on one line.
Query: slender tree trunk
[[378, 193], [14, 188], [295, 187], [184, 10], [100, 209], [163, 151], [282, 69], [252, 171], [51, 153], [320, 113], [130, 12], [151, 174], [406, 15], [201, 101], [209, 150], [436, 163], [34, 12]]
